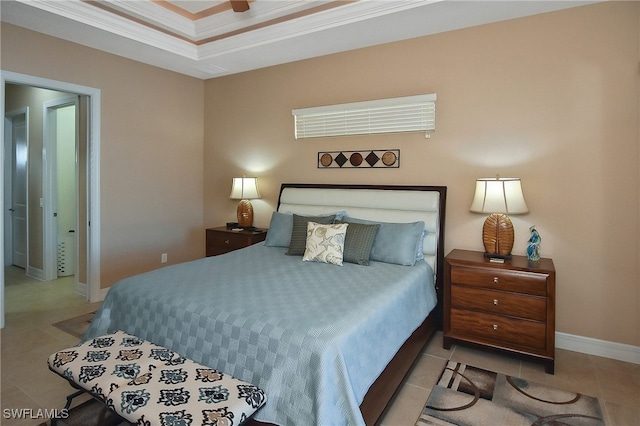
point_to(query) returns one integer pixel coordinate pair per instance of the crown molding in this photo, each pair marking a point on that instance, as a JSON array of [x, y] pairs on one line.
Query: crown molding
[[269, 33], [148, 11], [84, 13], [321, 21]]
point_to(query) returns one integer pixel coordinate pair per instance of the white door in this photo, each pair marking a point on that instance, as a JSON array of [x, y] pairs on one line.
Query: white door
[[18, 209]]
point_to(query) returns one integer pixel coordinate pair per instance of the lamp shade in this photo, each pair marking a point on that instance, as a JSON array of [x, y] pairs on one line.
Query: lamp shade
[[244, 188], [499, 195]]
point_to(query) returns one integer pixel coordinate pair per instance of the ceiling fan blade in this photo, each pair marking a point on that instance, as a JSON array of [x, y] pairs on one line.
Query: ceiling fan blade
[[239, 5]]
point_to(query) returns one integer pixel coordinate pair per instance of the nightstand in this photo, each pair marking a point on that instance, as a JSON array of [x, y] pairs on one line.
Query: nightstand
[[223, 240], [507, 306]]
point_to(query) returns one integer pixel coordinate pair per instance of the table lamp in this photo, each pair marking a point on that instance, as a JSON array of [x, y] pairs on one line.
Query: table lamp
[[498, 196], [244, 189]]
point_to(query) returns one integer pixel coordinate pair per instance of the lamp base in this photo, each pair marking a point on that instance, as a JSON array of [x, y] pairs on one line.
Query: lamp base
[[245, 214], [497, 236]]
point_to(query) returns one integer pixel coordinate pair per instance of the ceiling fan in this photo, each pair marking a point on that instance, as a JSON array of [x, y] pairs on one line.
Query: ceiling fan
[[239, 5]]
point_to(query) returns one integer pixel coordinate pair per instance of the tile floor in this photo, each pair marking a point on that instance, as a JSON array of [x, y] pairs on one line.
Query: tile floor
[[29, 338]]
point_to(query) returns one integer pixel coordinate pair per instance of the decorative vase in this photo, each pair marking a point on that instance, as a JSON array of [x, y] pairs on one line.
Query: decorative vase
[[533, 249]]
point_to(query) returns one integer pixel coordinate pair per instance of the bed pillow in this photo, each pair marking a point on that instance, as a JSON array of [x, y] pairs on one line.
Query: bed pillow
[[280, 228], [358, 242], [279, 233], [325, 243], [298, 241], [420, 248], [395, 242]]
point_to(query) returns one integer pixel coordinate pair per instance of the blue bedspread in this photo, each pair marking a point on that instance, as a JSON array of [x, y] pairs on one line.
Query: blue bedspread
[[314, 336]]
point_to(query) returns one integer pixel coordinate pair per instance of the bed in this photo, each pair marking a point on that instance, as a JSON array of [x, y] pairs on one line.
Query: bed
[[328, 340]]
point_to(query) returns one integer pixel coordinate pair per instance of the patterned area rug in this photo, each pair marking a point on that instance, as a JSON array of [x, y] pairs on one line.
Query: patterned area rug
[[467, 395], [76, 326]]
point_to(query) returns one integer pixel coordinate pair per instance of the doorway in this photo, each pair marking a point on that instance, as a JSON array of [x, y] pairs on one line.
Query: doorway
[[61, 189], [89, 125]]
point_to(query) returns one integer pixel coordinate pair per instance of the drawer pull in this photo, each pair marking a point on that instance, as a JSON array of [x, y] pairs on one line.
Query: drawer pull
[[495, 280], [495, 302], [226, 241], [495, 326]]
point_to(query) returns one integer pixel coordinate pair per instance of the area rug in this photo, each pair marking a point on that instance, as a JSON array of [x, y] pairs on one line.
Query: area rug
[[76, 326], [467, 395]]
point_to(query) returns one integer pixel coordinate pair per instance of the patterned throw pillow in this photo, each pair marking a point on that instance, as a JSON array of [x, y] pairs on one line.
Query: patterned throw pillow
[[325, 243]]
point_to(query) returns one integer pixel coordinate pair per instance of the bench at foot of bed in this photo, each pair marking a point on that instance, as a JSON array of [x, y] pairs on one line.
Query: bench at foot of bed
[[148, 384]]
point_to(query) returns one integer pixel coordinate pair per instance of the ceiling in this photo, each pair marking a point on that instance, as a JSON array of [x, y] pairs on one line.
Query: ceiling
[[207, 38]]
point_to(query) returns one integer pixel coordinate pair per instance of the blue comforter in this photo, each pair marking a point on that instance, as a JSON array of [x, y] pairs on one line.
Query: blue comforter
[[313, 336]]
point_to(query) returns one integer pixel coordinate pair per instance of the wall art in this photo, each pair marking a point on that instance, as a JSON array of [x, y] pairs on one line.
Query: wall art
[[365, 159]]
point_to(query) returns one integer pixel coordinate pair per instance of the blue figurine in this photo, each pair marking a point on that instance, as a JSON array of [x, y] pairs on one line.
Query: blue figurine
[[533, 249]]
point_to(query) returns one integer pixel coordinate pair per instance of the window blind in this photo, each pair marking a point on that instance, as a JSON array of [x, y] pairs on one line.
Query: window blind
[[394, 115]]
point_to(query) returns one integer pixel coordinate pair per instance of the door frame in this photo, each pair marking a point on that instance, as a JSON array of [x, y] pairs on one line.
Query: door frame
[[50, 184], [93, 164], [9, 116]]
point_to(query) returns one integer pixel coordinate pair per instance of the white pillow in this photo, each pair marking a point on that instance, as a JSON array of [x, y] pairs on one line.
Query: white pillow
[[325, 243]]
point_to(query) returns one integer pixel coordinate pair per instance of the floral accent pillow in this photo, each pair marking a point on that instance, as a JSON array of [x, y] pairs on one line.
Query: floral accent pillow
[[325, 243]]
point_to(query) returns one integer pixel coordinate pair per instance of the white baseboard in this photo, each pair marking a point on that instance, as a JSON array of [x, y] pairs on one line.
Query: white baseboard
[[35, 273], [603, 348], [81, 288], [103, 293]]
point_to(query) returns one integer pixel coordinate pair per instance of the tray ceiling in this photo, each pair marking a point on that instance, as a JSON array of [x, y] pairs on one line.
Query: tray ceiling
[[207, 38]]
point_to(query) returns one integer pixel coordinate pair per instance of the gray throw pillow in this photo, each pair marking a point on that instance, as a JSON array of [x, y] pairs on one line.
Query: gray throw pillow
[[299, 232], [358, 242]]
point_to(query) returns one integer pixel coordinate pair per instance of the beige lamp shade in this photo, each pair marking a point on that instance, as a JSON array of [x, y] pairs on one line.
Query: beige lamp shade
[[244, 189], [498, 196]]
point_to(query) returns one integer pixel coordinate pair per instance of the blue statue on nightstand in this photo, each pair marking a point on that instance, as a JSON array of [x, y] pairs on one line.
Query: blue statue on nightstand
[[533, 249]]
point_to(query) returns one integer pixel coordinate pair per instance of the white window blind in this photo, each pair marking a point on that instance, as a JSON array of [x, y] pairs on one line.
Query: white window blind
[[394, 115]]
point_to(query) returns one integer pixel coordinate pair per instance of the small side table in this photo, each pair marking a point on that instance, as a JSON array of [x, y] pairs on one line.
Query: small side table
[[222, 240], [508, 306]]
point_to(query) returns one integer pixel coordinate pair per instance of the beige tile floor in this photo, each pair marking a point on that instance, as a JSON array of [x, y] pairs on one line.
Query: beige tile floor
[[29, 338]]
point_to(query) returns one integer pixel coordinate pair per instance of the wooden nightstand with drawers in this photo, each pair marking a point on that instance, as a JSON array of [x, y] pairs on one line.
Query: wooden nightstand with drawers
[[507, 306], [223, 240]]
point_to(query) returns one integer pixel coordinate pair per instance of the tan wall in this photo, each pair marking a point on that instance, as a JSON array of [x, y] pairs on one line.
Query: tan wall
[[552, 99], [151, 149]]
